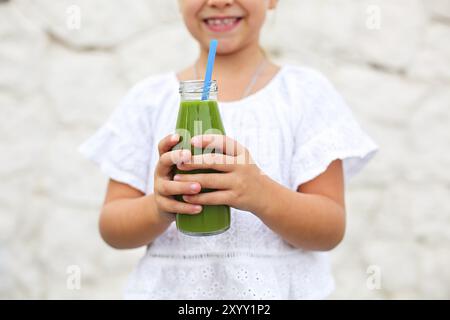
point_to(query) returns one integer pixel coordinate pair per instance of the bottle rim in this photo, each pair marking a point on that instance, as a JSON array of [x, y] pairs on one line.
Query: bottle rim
[[196, 86]]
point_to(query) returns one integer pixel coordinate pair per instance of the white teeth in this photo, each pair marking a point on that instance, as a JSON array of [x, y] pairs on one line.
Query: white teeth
[[221, 22]]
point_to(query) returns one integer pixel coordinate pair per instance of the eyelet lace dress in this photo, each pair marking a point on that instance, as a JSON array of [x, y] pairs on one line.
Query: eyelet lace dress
[[294, 128]]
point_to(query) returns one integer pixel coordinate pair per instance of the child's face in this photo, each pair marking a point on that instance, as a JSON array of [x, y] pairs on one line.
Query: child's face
[[235, 23]]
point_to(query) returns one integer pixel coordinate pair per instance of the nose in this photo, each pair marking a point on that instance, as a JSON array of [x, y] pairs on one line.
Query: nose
[[220, 4]]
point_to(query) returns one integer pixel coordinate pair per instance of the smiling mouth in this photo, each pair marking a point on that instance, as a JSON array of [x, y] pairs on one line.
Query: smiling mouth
[[222, 24]]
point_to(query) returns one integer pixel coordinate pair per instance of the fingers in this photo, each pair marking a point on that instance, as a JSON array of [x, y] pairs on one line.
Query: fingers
[[215, 161], [172, 188], [171, 205], [219, 142], [210, 198], [206, 180], [167, 143], [168, 159]]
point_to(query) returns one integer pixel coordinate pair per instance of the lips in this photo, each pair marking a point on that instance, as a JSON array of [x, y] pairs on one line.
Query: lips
[[222, 24]]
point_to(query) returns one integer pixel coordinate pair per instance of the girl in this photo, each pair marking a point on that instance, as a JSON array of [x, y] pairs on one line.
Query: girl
[[288, 120]]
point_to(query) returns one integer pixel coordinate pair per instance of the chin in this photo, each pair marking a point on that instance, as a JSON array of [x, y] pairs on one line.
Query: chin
[[228, 46]]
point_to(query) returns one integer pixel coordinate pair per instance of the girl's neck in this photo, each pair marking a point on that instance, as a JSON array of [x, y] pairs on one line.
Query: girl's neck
[[234, 72], [230, 65]]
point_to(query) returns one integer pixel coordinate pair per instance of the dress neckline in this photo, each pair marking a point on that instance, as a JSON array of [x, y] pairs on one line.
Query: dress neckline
[[250, 97]]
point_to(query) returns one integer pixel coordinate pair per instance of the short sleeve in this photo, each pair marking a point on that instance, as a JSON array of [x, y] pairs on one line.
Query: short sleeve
[[122, 146], [326, 131]]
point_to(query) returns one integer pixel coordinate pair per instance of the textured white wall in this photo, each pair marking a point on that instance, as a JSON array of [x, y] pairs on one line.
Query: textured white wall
[[58, 84]]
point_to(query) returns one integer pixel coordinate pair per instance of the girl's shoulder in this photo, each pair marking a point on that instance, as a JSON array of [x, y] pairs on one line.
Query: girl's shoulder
[[156, 83], [304, 84], [305, 75], [150, 92]]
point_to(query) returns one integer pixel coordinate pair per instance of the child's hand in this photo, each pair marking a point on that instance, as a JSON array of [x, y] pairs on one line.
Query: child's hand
[[239, 182], [164, 187]]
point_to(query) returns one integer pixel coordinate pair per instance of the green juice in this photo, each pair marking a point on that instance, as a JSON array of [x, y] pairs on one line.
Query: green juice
[[197, 117]]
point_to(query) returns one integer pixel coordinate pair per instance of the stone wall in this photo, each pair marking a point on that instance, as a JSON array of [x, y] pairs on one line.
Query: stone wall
[[58, 83]]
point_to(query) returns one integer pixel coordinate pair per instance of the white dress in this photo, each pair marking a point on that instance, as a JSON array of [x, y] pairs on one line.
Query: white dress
[[294, 128]]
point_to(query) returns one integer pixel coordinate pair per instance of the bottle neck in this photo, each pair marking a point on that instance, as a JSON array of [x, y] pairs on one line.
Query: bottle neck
[[192, 90]]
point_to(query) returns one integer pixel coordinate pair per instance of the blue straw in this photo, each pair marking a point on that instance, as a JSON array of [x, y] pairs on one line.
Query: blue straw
[[209, 69]]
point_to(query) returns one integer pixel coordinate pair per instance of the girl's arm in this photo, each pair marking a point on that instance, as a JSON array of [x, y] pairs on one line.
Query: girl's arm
[[129, 219], [312, 218]]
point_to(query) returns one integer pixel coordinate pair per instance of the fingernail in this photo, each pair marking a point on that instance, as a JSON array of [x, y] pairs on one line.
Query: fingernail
[[194, 186], [176, 177], [174, 137], [198, 208]]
